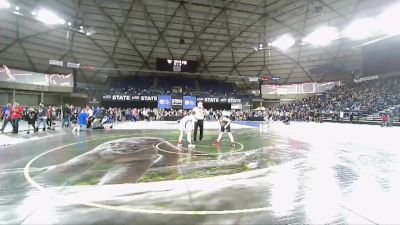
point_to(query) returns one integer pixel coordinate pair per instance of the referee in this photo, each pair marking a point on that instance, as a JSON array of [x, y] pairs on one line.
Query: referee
[[199, 116]]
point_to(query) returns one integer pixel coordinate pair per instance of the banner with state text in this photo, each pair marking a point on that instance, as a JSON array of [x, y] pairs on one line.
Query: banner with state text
[[185, 102]]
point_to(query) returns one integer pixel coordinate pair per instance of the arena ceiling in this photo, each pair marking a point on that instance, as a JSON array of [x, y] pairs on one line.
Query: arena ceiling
[[221, 35]]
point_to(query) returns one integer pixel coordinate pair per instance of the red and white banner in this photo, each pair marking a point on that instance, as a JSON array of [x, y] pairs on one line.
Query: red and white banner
[[26, 77]]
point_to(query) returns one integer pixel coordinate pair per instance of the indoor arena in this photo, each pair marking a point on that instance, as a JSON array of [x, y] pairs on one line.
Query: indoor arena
[[203, 112]]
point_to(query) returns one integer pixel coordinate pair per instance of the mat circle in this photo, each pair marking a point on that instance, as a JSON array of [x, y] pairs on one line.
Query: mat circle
[[122, 208], [197, 152]]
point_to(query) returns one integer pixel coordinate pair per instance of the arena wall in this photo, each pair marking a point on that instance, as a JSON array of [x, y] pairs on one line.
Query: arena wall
[[33, 98]]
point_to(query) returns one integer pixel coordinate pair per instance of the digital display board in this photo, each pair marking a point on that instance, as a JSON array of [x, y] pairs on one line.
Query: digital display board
[[177, 65]]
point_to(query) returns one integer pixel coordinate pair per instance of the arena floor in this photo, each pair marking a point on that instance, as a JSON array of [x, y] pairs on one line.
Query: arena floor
[[285, 174]]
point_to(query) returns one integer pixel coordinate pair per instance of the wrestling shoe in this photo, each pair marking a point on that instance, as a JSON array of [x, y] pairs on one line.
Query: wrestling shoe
[[191, 146]]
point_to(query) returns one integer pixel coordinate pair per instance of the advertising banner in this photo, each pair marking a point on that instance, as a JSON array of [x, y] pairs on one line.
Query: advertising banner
[[189, 102], [177, 102], [137, 98], [220, 100], [73, 65], [304, 88], [56, 62], [236, 106], [164, 101], [32, 78]]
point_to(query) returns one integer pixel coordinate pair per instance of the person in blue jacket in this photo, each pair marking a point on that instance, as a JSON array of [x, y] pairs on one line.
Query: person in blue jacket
[[83, 119], [6, 113]]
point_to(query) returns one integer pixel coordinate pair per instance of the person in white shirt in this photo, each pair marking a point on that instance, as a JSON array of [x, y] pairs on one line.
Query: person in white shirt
[[200, 113], [341, 116], [186, 125], [264, 127], [225, 122], [89, 111]]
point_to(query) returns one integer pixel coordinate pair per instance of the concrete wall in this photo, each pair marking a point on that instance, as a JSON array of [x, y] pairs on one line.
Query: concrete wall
[[75, 101], [25, 98], [52, 99], [4, 98], [33, 98], [28, 99]]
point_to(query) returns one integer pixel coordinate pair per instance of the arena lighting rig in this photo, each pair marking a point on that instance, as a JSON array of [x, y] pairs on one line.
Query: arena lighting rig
[[45, 16], [383, 25], [4, 4], [380, 26]]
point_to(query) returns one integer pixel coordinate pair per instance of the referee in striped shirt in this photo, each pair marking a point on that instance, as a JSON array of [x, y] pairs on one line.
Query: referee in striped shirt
[[199, 116]]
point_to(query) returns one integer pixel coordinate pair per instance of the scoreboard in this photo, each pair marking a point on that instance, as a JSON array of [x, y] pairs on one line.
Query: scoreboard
[[177, 65]]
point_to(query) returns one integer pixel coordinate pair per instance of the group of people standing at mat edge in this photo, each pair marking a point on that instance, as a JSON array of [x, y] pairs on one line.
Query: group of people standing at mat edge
[[13, 114], [41, 117]]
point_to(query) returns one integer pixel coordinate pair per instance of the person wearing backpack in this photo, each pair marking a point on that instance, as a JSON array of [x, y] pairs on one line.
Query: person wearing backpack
[[31, 118]]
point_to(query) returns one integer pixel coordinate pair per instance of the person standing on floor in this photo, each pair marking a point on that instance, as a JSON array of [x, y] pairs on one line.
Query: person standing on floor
[[199, 114], [351, 117], [16, 116], [83, 120], [42, 117], [51, 116], [89, 111], [66, 116], [341, 115], [74, 120], [6, 116], [32, 117]]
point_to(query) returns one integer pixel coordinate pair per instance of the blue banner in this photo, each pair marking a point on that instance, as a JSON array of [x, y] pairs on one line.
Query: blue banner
[[189, 102], [164, 101]]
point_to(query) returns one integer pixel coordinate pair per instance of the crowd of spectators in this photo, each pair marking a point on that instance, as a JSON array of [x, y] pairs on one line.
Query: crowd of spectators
[[164, 86], [163, 91], [375, 97], [130, 90]]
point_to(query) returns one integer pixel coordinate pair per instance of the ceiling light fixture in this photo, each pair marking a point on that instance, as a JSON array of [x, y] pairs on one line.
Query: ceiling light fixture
[[4, 4], [48, 17], [361, 29], [388, 20], [322, 36], [284, 42]]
